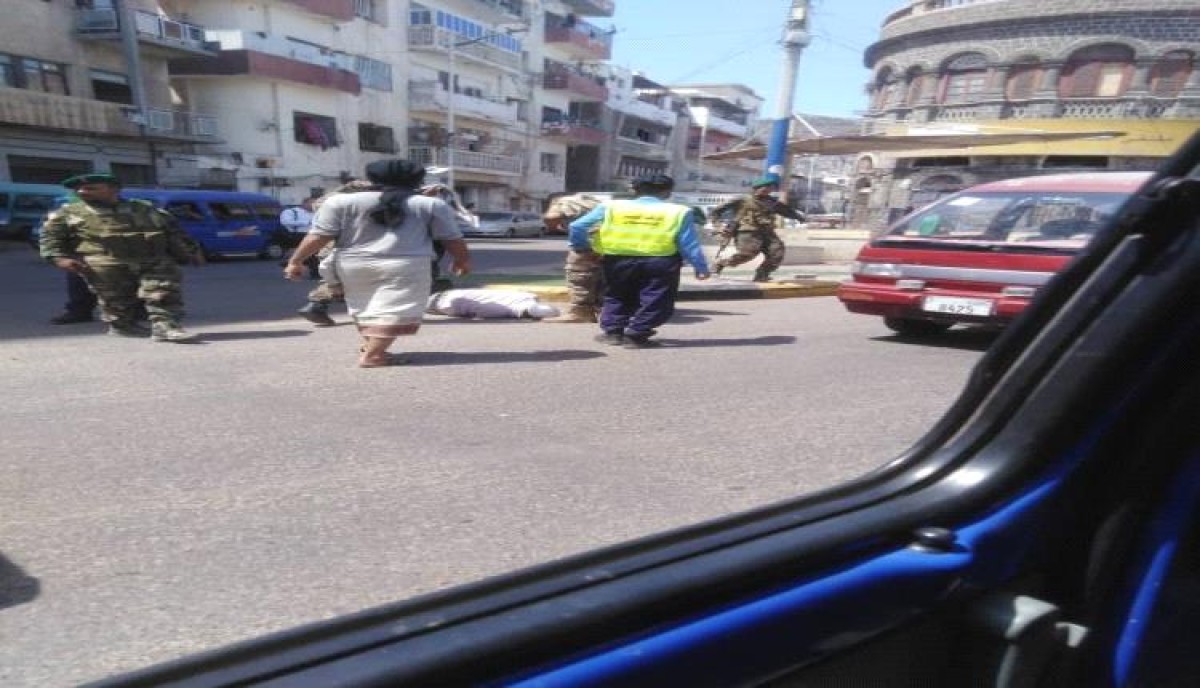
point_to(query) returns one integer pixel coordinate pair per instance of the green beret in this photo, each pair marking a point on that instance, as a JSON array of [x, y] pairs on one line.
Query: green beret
[[91, 178], [764, 181]]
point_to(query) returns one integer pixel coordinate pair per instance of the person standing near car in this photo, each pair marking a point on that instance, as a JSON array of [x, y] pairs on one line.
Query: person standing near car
[[585, 278], [297, 220], [754, 228], [642, 244], [127, 251]]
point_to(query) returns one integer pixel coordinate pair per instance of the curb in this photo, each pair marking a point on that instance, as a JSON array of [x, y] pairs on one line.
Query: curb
[[735, 292]]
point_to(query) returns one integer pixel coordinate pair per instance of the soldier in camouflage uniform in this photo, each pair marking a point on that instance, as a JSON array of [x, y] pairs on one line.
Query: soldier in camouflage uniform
[[754, 229], [128, 252], [585, 279]]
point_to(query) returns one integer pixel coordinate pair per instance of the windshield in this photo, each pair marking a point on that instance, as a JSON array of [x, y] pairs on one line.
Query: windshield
[[1052, 218]]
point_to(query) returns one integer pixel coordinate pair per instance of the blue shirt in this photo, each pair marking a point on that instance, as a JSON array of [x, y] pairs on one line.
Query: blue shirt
[[687, 241]]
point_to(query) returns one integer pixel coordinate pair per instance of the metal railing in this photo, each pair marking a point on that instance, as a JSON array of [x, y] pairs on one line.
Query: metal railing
[[466, 159], [426, 37], [146, 23]]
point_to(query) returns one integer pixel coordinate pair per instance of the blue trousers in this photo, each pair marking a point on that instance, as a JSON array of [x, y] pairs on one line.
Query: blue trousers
[[641, 293], [80, 299]]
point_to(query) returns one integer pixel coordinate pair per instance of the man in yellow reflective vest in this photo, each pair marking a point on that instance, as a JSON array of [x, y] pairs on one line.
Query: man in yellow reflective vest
[[642, 244]]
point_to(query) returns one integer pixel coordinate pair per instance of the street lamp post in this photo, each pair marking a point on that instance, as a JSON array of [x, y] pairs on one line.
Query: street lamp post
[[452, 89]]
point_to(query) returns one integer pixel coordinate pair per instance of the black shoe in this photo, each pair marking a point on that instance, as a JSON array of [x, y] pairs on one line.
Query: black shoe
[[716, 270], [614, 338], [317, 314], [640, 343], [69, 318], [759, 277]]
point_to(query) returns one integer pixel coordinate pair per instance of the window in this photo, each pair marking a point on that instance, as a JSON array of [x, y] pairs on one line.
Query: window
[[1168, 77], [1023, 81], [111, 87], [1097, 72], [549, 163], [33, 74], [966, 78], [917, 83], [366, 9], [185, 211], [375, 138], [316, 130], [231, 211], [133, 175], [373, 74]]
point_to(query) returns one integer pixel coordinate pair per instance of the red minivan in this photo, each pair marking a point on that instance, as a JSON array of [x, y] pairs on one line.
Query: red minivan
[[979, 256]]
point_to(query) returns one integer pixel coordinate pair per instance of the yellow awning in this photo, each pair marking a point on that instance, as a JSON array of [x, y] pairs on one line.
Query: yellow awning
[[955, 143]]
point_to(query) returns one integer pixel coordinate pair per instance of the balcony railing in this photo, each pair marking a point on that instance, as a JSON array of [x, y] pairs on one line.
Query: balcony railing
[[1096, 108], [576, 84], [168, 33], [582, 40], [647, 111], [71, 113], [466, 160], [425, 37], [281, 47], [429, 96]]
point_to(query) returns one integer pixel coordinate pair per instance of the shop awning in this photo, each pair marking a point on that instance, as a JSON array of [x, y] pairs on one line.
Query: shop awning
[[850, 145]]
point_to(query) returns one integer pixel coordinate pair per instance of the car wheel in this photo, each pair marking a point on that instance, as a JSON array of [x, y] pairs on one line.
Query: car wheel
[[272, 251], [915, 328]]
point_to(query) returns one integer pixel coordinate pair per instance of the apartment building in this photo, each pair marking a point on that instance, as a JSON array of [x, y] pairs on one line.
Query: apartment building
[[722, 116], [72, 102]]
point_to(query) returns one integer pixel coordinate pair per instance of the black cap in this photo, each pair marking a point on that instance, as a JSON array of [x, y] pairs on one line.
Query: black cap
[[91, 178], [655, 182]]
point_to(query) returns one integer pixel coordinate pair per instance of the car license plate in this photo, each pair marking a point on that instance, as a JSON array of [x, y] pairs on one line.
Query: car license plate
[[954, 305]]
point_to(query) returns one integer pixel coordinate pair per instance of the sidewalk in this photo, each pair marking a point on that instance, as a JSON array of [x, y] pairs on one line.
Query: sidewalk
[[790, 281]]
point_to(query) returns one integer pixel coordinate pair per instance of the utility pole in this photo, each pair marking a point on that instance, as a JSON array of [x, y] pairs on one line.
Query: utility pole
[[795, 38], [127, 23]]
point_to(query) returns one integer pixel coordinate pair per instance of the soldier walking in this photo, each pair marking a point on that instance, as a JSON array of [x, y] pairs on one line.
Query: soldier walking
[[585, 279], [754, 228], [128, 253]]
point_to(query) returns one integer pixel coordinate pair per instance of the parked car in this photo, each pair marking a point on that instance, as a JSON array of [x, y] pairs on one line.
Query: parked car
[[980, 255], [22, 207], [506, 224], [225, 223]]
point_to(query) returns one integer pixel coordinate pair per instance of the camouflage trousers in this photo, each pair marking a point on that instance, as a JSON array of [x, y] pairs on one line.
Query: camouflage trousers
[[122, 287], [750, 244], [585, 279]]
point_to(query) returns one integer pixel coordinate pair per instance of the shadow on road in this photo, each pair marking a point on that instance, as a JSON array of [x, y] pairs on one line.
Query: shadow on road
[[16, 587], [447, 358], [771, 340], [257, 334], [969, 339]]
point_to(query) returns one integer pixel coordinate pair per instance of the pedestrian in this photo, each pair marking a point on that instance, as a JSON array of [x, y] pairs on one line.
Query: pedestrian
[[585, 278], [754, 228], [384, 242], [328, 291], [489, 303], [296, 221], [464, 216], [642, 244], [128, 253]]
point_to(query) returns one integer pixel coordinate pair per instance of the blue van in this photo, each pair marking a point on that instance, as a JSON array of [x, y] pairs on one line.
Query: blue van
[[23, 205], [225, 223]]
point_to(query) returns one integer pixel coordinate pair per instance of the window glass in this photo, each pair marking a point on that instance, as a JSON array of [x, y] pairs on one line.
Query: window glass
[[267, 211], [230, 211], [185, 210], [33, 202], [8, 72]]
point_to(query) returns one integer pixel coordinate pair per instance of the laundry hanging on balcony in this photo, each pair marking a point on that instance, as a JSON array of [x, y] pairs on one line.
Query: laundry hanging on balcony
[[314, 133]]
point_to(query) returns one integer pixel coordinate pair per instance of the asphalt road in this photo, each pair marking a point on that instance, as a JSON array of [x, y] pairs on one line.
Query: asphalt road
[[160, 499]]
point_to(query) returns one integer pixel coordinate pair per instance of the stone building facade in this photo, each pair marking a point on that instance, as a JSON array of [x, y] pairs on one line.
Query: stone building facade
[[1010, 66]]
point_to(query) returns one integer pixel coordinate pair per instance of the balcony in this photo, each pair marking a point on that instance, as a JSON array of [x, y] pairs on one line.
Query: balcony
[[70, 113], [167, 37], [247, 53], [431, 38], [467, 160], [592, 8], [429, 96], [586, 134], [581, 40], [647, 111], [580, 87]]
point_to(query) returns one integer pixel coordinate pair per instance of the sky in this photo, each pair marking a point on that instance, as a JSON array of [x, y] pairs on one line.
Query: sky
[[675, 42]]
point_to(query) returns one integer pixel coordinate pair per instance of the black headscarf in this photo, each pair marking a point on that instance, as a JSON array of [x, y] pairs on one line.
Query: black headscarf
[[399, 179]]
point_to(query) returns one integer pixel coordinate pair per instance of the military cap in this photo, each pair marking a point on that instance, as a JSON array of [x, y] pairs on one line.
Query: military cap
[[654, 181], [91, 178], [764, 181]]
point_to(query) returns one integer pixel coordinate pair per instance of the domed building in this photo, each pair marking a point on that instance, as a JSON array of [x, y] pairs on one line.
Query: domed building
[[1121, 74]]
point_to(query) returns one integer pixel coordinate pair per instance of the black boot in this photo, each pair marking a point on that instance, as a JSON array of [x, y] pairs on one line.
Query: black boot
[[69, 318], [316, 313]]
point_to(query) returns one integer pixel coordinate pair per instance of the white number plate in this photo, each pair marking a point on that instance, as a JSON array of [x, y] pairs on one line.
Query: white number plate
[[955, 305]]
